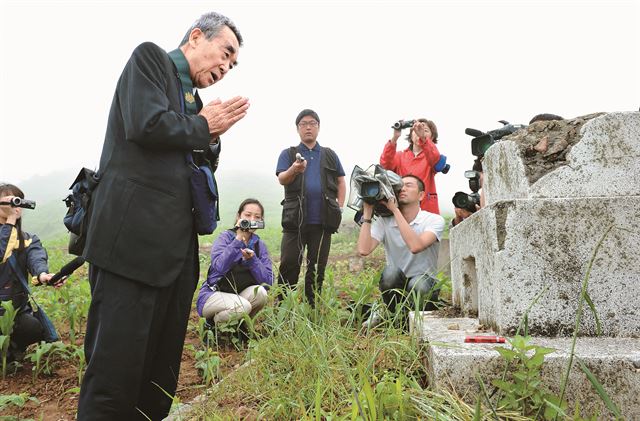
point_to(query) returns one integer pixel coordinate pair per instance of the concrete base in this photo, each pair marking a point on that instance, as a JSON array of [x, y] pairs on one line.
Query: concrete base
[[453, 364]]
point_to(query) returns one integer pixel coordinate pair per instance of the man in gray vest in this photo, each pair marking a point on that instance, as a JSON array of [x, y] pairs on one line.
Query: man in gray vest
[[314, 190]]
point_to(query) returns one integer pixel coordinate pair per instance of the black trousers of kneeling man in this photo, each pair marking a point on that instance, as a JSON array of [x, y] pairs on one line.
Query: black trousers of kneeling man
[[133, 345]]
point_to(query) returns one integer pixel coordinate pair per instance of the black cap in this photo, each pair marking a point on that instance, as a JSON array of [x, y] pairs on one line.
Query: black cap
[[305, 113]]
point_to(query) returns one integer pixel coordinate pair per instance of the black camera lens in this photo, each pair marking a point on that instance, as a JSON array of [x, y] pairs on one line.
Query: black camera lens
[[244, 224], [466, 201], [481, 144], [369, 190]]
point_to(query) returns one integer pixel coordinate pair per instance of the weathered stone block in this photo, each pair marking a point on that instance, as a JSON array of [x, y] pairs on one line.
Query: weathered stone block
[[506, 254]]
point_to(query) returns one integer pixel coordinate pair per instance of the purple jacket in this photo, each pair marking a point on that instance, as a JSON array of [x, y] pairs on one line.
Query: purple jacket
[[226, 253]]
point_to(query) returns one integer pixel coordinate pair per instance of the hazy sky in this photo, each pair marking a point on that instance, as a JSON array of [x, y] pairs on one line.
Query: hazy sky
[[360, 64]]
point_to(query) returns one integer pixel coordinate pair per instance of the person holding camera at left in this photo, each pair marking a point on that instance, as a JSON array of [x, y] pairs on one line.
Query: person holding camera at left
[[21, 253], [240, 269], [419, 159], [411, 238]]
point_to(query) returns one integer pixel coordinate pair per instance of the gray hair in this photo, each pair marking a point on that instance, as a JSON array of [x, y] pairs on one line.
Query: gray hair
[[210, 24]]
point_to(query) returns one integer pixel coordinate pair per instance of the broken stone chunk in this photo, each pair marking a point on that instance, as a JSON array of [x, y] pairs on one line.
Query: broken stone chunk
[[542, 145]]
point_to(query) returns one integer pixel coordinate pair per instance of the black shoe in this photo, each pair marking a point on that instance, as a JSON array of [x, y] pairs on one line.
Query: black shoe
[[210, 324]]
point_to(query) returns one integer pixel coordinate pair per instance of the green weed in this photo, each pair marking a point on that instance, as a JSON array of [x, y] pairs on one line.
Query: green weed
[[523, 390], [43, 357], [6, 328], [16, 400]]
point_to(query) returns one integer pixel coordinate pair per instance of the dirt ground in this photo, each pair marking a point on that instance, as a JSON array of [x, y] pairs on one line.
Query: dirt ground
[[58, 392]]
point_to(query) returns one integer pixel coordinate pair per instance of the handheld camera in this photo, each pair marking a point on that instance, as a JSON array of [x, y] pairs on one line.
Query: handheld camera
[[246, 225], [18, 202], [403, 124]]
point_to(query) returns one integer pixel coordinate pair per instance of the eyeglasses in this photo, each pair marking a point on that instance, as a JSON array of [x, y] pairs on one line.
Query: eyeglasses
[[308, 123]]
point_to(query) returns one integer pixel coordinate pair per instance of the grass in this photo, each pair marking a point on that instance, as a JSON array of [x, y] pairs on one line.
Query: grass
[[317, 363]]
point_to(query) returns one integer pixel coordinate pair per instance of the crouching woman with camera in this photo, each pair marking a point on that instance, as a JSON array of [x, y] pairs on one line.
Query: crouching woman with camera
[[240, 269], [20, 254]]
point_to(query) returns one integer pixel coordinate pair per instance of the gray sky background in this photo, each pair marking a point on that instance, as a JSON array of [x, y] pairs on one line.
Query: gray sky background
[[360, 64]]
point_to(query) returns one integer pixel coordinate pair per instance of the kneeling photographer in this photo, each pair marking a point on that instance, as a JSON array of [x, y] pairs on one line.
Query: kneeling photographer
[[410, 237], [240, 266], [21, 254]]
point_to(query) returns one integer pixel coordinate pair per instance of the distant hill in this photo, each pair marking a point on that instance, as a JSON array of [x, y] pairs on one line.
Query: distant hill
[[235, 186]]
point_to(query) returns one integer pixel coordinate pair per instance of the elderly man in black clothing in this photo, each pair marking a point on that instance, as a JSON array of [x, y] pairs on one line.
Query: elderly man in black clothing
[[141, 240]]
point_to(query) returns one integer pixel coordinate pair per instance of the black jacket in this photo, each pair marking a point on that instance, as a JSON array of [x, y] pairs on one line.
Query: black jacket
[[141, 220], [33, 258]]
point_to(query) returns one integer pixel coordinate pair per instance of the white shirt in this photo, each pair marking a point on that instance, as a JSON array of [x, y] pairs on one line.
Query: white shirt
[[386, 231]]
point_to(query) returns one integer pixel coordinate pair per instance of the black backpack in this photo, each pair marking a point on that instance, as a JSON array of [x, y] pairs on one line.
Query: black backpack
[[77, 218]]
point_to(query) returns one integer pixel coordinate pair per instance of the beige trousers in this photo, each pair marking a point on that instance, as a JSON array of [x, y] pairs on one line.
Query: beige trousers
[[222, 306]]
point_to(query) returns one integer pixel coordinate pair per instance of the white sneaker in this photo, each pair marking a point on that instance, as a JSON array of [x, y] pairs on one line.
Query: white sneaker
[[375, 318]]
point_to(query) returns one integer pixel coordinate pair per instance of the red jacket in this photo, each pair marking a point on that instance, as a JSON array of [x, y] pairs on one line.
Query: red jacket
[[405, 162]]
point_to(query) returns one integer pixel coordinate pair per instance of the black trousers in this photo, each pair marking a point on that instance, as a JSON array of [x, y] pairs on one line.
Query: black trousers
[[317, 242], [395, 286], [135, 335], [27, 330]]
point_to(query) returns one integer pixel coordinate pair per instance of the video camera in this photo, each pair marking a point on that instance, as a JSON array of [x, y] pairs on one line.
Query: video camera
[[403, 124], [482, 141], [246, 225], [18, 202], [371, 186], [465, 200]]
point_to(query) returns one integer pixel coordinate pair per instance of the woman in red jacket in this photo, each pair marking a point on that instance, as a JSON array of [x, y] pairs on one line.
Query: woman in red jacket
[[419, 159]]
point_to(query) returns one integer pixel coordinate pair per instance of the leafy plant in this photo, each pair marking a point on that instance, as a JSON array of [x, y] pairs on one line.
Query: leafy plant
[[386, 400], [42, 357], [77, 353], [6, 328], [16, 400], [524, 390], [208, 362], [74, 302]]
